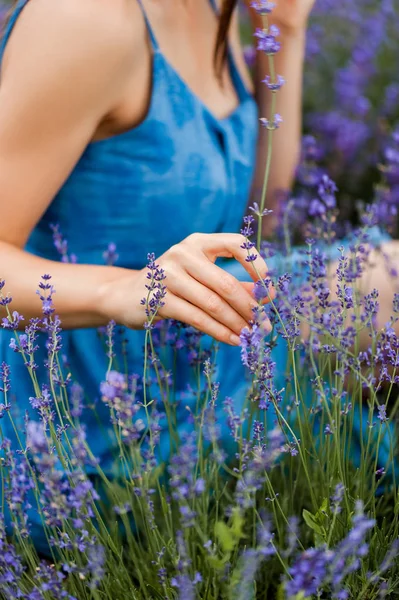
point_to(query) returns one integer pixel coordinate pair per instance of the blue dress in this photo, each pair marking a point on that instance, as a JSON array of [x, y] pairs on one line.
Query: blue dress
[[180, 171]]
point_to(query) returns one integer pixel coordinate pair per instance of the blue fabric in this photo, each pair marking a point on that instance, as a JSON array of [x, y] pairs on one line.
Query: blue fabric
[[180, 171]]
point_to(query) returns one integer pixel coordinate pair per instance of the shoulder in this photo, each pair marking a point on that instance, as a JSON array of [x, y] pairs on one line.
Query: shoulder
[[102, 35]]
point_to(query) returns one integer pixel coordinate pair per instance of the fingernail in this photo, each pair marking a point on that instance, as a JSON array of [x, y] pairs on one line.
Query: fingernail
[[235, 340], [266, 325]]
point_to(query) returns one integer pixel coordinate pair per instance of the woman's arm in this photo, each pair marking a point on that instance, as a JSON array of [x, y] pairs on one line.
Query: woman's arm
[[291, 18]]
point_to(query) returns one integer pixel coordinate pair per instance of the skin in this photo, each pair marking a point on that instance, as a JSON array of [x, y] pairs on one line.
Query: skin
[[47, 122], [291, 17]]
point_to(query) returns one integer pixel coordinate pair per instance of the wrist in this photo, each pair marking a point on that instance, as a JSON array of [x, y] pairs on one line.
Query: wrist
[[290, 31], [110, 294]]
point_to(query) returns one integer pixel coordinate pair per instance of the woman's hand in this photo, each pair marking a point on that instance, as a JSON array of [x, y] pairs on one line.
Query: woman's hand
[[199, 293], [288, 15], [291, 14]]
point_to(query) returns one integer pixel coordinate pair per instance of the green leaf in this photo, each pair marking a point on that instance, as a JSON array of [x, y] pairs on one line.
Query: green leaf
[[237, 525], [311, 522], [280, 592], [218, 563], [225, 536], [323, 508], [229, 537]]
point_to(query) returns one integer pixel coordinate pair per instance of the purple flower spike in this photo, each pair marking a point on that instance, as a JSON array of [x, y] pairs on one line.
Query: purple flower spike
[[156, 289], [337, 498], [61, 245], [110, 255], [382, 413], [271, 125], [267, 41], [261, 289], [12, 322], [263, 7], [327, 190], [274, 86]]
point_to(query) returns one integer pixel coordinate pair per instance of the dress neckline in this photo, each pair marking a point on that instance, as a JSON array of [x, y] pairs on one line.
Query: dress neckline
[[241, 90]]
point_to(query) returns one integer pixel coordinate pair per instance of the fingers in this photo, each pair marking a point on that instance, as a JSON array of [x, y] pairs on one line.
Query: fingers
[[228, 245], [181, 310], [207, 297], [210, 302], [223, 284]]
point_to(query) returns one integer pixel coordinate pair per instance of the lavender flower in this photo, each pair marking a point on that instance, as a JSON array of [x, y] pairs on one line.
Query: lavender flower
[[62, 496], [261, 289], [43, 405], [76, 398], [11, 567], [274, 86], [124, 406], [110, 255], [234, 421], [156, 290], [263, 7], [95, 564], [12, 321], [251, 341], [182, 581], [319, 569], [5, 385], [308, 572], [17, 487], [327, 191], [273, 124], [261, 460], [185, 586], [267, 40], [247, 232], [49, 581], [183, 482], [382, 413], [352, 549], [337, 497], [61, 245]]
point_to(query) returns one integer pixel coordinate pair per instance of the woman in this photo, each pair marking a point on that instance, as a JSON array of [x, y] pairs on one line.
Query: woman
[[116, 125]]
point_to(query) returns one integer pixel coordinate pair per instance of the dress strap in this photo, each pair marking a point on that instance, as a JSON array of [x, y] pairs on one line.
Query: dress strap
[[10, 25], [154, 41]]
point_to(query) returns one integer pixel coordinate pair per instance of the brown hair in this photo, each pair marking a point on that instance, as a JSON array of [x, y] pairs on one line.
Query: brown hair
[[226, 13]]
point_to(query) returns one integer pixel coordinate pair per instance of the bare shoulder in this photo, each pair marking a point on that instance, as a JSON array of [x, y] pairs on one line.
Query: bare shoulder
[[101, 34]]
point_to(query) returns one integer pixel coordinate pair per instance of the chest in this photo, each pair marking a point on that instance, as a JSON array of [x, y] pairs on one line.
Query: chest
[[187, 40]]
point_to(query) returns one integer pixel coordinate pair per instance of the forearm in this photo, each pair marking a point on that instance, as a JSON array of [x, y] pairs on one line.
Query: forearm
[[288, 63], [80, 290]]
